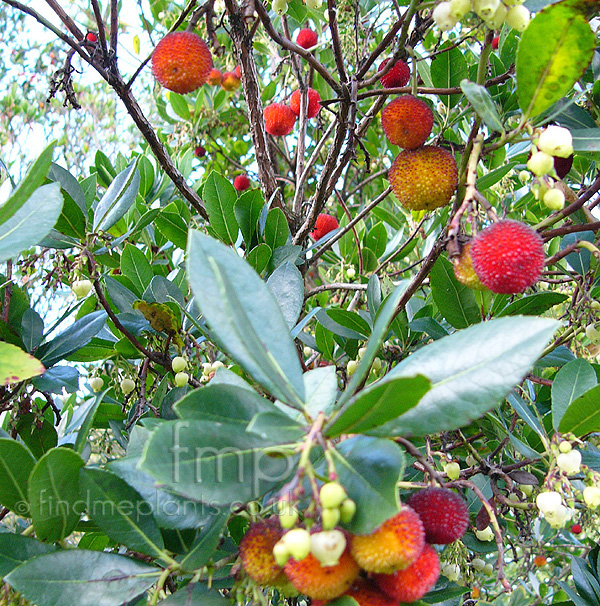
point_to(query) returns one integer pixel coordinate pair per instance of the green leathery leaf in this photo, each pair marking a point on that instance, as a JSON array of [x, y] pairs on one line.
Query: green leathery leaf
[[369, 469], [17, 365], [136, 267], [195, 594], [77, 577], [118, 198], [244, 318], [220, 198], [448, 69], [583, 414], [120, 511], [553, 53], [16, 463], [471, 371], [54, 496], [377, 404], [226, 465], [483, 104], [571, 382], [16, 549], [455, 301]]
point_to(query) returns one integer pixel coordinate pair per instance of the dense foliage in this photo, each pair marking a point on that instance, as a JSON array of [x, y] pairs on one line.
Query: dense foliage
[[184, 351]]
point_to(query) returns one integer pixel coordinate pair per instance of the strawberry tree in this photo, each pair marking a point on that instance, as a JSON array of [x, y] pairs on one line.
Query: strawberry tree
[[305, 310]]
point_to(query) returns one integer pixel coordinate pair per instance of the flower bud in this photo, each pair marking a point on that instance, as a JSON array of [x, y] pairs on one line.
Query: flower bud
[[487, 534], [97, 383], [297, 542], [332, 494], [518, 18], [127, 386], [452, 470], [181, 379], [554, 140], [81, 288], [442, 15], [179, 364], [569, 462], [328, 546], [540, 163], [554, 199]]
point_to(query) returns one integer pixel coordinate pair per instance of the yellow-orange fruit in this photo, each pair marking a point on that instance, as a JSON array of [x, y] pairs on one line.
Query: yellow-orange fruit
[[319, 582], [395, 545], [414, 582], [407, 121], [230, 81], [464, 271], [256, 552], [181, 62], [215, 77], [424, 178]]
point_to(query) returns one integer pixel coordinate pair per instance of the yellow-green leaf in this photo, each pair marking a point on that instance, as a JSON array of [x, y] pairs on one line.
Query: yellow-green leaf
[[17, 365]]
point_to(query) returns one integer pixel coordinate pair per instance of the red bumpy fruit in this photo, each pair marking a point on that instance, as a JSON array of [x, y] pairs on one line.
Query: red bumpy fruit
[[319, 582], [181, 62], [424, 178], [256, 552], [279, 119], [324, 224], [366, 593], [399, 74], [395, 545], [407, 121], [414, 582], [508, 256], [241, 182], [444, 514], [306, 38], [314, 103]]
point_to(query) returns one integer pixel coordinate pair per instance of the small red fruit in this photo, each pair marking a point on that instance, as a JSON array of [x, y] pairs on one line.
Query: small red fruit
[[279, 119], [323, 225], [444, 514], [241, 182], [307, 38], [215, 77], [495, 42], [256, 551], [508, 256], [399, 74], [407, 121], [576, 529], [395, 545], [414, 582], [314, 103], [181, 62], [424, 178], [200, 151], [230, 81], [91, 37], [319, 582]]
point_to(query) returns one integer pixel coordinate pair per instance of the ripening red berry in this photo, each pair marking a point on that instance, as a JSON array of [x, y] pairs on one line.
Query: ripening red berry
[[200, 151], [399, 74], [508, 256], [279, 119], [576, 529], [495, 42], [407, 121], [241, 182], [324, 224], [314, 103], [444, 514], [307, 38], [91, 37]]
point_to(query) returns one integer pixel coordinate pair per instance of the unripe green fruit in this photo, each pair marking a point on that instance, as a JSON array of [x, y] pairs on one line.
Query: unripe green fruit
[[181, 379], [488, 570], [471, 461], [554, 199], [592, 333], [459, 8], [487, 534], [347, 511], [279, 6], [97, 383], [332, 495], [518, 18], [297, 542], [526, 489], [595, 305], [478, 564], [330, 517], [179, 364], [361, 352], [281, 553], [127, 386], [288, 516], [452, 470], [524, 176], [540, 163], [314, 4], [565, 446], [81, 288]]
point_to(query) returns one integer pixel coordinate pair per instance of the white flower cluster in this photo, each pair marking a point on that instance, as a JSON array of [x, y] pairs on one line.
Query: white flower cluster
[[551, 506], [493, 12], [553, 141]]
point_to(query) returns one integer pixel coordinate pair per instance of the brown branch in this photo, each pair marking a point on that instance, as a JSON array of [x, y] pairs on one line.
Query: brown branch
[[101, 30], [114, 26], [338, 53], [570, 229], [243, 44]]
